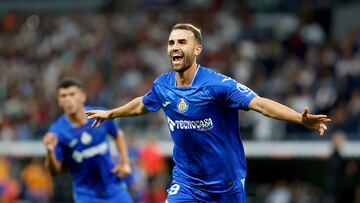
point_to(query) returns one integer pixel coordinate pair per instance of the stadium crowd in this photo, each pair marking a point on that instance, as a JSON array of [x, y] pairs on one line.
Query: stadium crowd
[[292, 58], [118, 54]]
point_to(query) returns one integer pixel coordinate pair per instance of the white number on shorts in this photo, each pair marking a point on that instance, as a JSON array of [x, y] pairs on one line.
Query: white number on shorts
[[174, 189]]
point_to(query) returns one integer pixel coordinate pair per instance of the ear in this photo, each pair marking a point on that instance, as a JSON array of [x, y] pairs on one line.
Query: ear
[[59, 102], [198, 49], [83, 96]]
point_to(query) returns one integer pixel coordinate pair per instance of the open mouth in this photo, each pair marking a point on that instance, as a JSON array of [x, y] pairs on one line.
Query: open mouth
[[177, 58]]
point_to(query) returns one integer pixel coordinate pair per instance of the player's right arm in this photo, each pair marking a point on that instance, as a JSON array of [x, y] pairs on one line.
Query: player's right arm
[[50, 141], [134, 108]]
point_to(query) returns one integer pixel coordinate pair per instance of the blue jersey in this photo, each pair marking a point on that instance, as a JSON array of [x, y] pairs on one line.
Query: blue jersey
[[204, 125], [85, 151]]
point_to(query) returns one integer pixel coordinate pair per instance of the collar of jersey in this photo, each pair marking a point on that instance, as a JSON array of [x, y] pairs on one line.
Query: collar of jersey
[[86, 108], [192, 82]]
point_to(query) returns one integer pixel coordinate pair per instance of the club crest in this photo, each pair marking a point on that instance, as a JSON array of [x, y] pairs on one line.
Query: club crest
[[85, 138], [182, 105]]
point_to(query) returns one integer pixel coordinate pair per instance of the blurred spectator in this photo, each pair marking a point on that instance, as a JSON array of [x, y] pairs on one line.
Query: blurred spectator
[[293, 62], [343, 175], [152, 159], [154, 164], [287, 56], [37, 182], [336, 168], [137, 180], [9, 188], [280, 193]]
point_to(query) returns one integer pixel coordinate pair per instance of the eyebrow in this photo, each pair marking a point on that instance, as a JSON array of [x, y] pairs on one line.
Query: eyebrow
[[179, 40]]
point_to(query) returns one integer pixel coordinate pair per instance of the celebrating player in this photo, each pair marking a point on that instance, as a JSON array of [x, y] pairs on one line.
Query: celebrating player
[[72, 143], [201, 107]]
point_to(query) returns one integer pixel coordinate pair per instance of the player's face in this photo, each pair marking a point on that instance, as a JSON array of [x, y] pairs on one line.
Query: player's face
[[71, 99], [182, 49]]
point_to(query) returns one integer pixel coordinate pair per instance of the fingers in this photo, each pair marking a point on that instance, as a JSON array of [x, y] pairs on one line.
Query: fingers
[[306, 110], [97, 123], [321, 120], [50, 142], [316, 116], [326, 120], [116, 169], [121, 170], [122, 174], [322, 128], [90, 114]]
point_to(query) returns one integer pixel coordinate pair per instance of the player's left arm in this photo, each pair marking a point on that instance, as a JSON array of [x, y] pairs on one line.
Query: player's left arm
[[122, 168], [279, 111]]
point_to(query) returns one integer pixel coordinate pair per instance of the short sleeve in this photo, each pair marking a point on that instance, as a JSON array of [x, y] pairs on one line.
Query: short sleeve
[[112, 127], [59, 152], [58, 149], [234, 94], [151, 101]]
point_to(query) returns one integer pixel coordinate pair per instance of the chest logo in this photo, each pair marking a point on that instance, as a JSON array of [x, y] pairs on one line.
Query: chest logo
[[73, 143], [85, 138], [182, 105], [166, 103]]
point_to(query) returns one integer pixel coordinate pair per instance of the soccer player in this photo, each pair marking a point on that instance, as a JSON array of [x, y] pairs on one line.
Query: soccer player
[[72, 143], [201, 107]]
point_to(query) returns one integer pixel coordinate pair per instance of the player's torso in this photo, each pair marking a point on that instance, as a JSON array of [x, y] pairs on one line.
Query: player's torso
[[84, 144], [188, 111], [207, 148], [197, 124]]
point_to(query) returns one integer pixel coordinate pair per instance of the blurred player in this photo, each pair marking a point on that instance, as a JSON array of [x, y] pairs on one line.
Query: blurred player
[[72, 143], [201, 107]]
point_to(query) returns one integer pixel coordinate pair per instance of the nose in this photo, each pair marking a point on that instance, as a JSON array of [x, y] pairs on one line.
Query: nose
[[175, 48], [67, 98], [176, 45]]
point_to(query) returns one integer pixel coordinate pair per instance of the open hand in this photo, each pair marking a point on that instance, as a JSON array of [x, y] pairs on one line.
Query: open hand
[[314, 122], [122, 169], [50, 141], [99, 115]]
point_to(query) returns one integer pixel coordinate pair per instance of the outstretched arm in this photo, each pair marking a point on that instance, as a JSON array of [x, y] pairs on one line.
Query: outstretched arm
[[279, 111], [134, 108]]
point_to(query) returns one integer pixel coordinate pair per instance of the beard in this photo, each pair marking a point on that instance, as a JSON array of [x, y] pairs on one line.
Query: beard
[[186, 64]]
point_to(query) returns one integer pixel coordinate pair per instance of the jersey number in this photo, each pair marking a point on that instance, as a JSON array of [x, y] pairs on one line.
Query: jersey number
[[174, 189]]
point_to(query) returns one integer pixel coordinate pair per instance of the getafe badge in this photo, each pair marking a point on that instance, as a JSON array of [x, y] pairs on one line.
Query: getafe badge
[[85, 138], [182, 105]]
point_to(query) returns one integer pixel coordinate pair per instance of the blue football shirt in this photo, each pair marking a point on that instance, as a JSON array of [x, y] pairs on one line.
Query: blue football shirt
[[85, 151], [204, 125]]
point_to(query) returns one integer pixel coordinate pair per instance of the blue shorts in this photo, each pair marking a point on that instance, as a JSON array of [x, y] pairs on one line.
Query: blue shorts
[[179, 194], [120, 197]]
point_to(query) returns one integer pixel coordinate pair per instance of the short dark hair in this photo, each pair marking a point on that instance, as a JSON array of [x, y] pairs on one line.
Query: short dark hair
[[190, 27], [69, 82]]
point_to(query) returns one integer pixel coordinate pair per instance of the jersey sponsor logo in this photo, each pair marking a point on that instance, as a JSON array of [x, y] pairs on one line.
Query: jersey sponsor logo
[[199, 125], [79, 156], [85, 138], [73, 142], [166, 103], [182, 105]]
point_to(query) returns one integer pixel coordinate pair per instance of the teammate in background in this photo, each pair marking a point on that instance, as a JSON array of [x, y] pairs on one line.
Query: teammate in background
[[72, 143], [201, 107]]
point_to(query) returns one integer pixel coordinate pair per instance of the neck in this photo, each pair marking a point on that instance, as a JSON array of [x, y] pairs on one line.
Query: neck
[[185, 78], [77, 118]]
